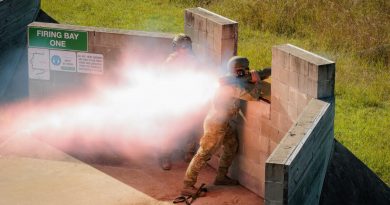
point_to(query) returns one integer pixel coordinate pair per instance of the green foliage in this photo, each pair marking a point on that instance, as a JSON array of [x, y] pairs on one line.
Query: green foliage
[[191, 3], [355, 34], [363, 111], [361, 27], [134, 15]]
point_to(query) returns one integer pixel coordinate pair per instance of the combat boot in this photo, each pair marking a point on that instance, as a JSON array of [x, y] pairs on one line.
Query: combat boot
[[165, 163], [192, 191], [222, 179]]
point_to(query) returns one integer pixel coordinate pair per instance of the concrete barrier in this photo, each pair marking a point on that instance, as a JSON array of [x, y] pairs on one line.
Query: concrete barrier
[[15, 15], [302, 109], [116, 47], [214, 37], [295, 171]]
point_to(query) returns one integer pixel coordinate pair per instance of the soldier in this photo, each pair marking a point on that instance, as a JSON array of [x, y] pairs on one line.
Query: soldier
[[219, 127], [181, 58]]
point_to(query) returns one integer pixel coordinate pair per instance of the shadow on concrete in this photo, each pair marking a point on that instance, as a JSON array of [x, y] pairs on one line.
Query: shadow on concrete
[[145, 175], [349, 181]]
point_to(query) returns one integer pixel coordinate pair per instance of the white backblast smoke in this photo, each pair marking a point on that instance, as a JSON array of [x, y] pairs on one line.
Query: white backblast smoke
[[150, 109]]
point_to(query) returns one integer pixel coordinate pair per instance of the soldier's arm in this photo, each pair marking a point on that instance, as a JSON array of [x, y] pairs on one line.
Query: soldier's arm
[[249, 91], [170, 58]]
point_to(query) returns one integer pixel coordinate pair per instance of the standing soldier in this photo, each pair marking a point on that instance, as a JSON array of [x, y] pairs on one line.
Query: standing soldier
[[218, 126], [182, 58]]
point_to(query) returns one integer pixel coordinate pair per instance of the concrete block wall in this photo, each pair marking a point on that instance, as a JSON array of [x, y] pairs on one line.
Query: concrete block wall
[[255, 135], [295, 171], [297, 77], [214, 37], [117, 47], [255, 146], [302, 110]]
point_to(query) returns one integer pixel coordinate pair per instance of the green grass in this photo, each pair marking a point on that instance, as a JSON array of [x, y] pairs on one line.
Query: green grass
[[123, 14], [355, 34]]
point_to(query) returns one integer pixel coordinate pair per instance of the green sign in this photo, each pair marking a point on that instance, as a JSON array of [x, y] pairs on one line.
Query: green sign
[[57, 39]]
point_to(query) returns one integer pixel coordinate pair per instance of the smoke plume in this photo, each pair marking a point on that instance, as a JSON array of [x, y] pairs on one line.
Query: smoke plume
[[147, 110]]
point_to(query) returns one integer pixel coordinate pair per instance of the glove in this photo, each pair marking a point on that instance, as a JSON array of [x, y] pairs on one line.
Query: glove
[[264, 73], [255, 77]]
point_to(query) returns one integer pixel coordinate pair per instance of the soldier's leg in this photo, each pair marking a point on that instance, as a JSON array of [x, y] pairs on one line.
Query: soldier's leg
[[197, 163], [230, 147], [191, 145], [164, 153], [165, 161], [209, 143]]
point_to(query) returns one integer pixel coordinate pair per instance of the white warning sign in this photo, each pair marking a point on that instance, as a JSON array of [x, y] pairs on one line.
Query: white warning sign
[[90, 63], [63, 60], [38, 64]]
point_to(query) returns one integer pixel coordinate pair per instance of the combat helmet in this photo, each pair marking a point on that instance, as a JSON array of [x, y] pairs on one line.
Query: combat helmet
[[181, 41], [238, 64]]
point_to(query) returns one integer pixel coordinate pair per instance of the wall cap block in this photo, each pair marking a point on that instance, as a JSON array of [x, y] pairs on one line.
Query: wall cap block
[[299, 132], [103, 30], [306, 55], [211, 15]]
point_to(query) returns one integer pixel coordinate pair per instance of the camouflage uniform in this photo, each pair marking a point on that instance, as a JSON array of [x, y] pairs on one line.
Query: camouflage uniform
[[182, 59], [219, 129]]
